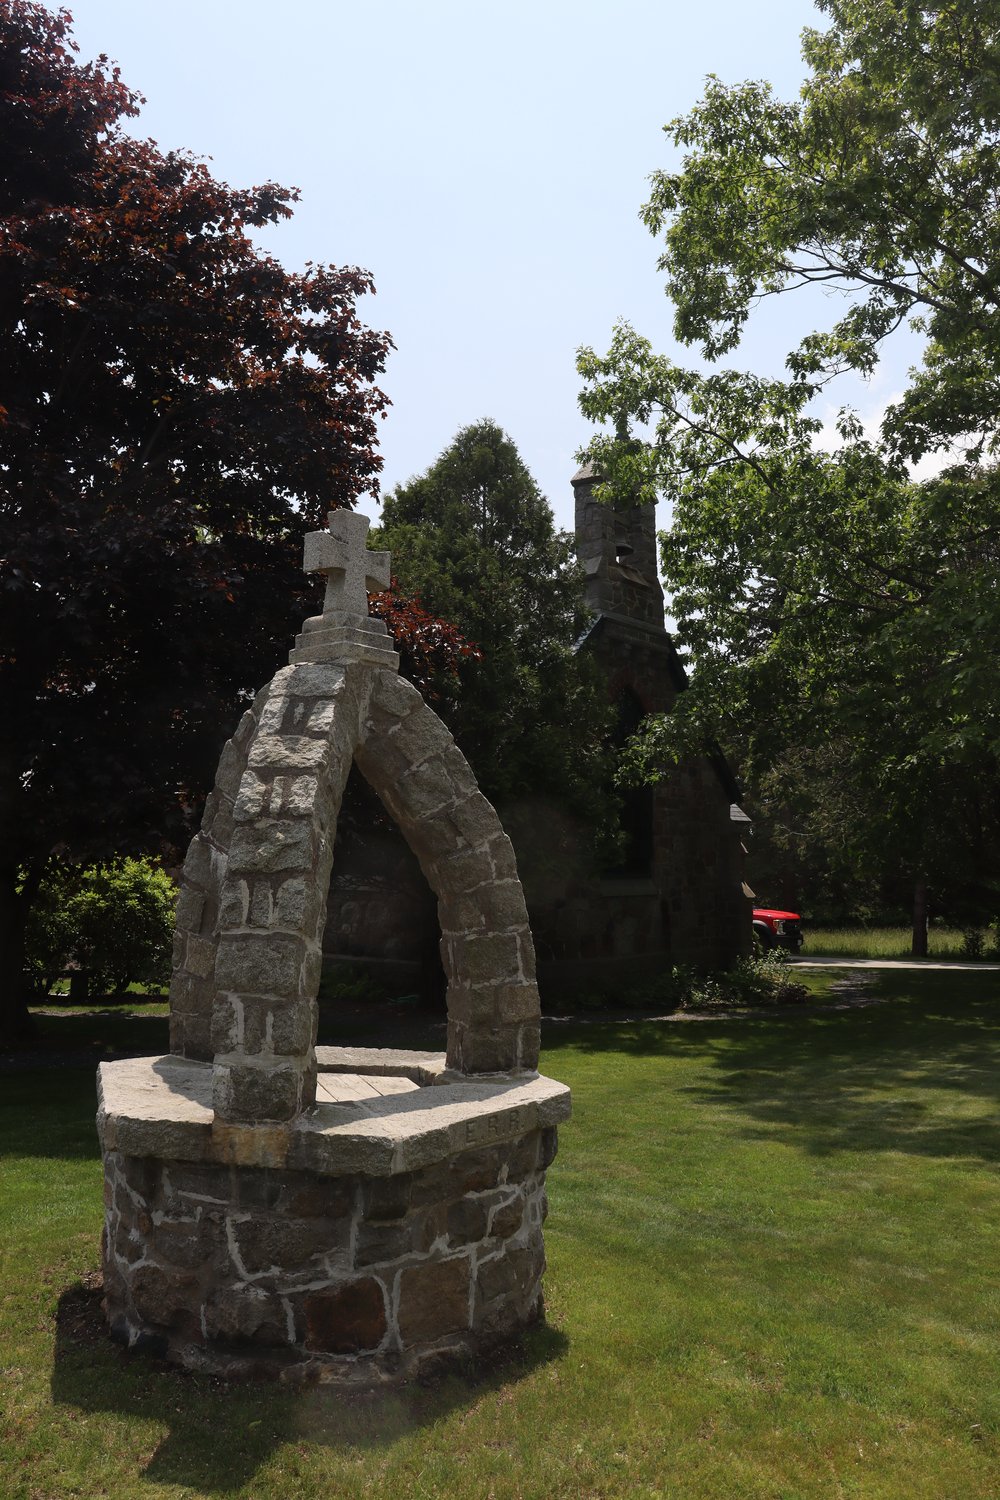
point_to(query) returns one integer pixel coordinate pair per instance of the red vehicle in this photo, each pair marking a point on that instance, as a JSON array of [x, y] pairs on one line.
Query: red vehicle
[[776, 929]]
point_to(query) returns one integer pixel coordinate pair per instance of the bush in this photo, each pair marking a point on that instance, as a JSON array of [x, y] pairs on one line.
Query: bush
[[764, 980], [114, 922], [973, 943], [49, 937]]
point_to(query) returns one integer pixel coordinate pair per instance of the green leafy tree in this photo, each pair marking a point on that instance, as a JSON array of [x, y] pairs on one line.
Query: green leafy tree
[[474, 538], [176, 409], [821, 597], [114, 922], [825, 841]]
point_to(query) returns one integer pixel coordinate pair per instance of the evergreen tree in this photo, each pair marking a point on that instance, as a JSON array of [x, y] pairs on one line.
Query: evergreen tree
[[475, 539]]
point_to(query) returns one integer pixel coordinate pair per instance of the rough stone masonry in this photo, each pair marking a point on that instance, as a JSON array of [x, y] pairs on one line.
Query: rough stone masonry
[[277, 1209]]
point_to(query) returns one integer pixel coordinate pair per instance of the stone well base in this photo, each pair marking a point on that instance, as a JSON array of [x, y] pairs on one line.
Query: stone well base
[[397, 1226]]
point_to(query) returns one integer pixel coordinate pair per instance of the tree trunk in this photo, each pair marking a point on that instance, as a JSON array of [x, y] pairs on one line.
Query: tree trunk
[[919, 945], [15, 1021]]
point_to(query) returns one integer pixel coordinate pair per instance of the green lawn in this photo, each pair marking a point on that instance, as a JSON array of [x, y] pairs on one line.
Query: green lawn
[[773, 1273]]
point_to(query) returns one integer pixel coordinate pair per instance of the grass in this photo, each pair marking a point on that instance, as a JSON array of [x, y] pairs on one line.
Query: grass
[[881, 942], [772, 1252]]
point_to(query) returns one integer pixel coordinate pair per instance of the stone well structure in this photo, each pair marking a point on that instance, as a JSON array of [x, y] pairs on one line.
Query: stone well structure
[[351, 1215]]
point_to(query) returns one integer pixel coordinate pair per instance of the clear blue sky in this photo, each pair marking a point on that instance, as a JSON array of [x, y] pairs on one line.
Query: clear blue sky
[[485, 161]]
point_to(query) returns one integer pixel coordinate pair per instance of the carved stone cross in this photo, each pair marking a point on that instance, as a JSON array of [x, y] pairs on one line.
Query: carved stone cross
[[341, 552]]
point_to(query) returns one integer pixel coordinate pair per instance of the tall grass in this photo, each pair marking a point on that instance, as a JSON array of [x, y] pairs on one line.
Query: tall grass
[[883, 942]]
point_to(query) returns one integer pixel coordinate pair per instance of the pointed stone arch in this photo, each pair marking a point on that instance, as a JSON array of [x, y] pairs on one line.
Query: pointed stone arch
[[252, 907], [411, 761]]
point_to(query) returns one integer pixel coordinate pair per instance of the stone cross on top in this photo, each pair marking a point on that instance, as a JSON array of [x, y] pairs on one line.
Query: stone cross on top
[[345, 631], [341, 552]]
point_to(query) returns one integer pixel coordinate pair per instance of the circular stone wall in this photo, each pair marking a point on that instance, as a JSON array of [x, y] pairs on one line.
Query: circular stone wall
[[398, 1230]]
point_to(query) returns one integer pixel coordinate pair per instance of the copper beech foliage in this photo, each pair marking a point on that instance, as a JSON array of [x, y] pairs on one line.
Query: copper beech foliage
[[430, 649], [176, 410]]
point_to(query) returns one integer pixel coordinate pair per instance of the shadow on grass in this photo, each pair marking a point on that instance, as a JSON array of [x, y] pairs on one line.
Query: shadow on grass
[[218, 1435], [62, 1038], [919, 1074], [49, 1112]]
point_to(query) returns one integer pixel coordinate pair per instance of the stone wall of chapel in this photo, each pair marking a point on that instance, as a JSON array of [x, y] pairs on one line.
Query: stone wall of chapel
[[691, 909]]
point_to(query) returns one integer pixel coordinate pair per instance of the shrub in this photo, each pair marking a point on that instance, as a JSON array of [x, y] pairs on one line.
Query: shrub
[[113, 921], [763, 980], [672, 990], [49, 938], [973, 943]]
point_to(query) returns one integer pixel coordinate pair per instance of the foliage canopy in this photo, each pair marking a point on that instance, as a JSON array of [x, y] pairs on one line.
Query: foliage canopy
[[828, 597], [175, 409]]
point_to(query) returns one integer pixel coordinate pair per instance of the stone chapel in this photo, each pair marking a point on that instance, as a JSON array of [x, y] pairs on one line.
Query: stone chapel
[[678, 895]]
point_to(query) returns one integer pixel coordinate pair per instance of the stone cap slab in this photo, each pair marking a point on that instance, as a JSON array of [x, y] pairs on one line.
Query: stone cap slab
[[380, 1137], [162, 1107], [156, 1106], [421, 1067]]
